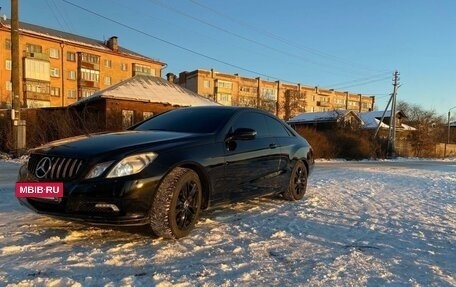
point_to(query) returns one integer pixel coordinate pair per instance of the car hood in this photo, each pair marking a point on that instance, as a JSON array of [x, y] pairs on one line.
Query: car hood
[[107, 143]]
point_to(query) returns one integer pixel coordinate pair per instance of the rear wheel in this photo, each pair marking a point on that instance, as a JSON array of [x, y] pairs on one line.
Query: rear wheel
[[177, 203], [297, 185]]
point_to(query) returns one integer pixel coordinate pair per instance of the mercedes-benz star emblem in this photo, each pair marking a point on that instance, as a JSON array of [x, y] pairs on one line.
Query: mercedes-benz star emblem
[[43, 167]]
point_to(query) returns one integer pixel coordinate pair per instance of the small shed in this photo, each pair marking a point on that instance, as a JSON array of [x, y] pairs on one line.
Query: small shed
[[136, 99]]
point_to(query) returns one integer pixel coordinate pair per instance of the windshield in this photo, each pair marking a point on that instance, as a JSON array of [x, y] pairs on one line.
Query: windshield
[[190, 120]]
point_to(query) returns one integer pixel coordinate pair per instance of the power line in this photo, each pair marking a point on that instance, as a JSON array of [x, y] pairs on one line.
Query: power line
[[361, 81], [364, 83], [56, 12], [158, 2], [168, 42], [193, 51], [280, 38]]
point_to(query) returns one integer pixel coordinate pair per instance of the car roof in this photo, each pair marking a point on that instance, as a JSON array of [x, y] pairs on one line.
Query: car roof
[[233, 108]]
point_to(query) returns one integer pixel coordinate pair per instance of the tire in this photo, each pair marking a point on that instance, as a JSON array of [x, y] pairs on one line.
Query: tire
[[177, 204], [297, 185]]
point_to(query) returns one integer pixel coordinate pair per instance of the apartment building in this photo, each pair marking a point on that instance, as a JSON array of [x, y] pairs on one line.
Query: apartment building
[[283, 99], [59, 68]]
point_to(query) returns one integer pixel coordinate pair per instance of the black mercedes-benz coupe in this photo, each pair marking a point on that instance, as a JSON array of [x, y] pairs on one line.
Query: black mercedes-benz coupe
[[163, 171]]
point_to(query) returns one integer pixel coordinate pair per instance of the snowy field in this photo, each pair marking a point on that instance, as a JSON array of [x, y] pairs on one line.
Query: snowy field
[[387, 223]]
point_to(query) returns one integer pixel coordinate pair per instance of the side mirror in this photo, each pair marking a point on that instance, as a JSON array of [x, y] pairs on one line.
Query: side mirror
[[242, 134]]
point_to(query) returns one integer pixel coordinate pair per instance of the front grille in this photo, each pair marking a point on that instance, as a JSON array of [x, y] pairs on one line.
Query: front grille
[[59, 168]]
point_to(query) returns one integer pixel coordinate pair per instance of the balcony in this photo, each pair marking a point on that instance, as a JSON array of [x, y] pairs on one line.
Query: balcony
[[37, 96], [90, 66], [38, 56], [88, 84], [323, 104]]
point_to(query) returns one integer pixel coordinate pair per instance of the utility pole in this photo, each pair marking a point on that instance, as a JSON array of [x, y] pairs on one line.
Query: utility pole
[[18, 126], [392, 131], [15, 69]]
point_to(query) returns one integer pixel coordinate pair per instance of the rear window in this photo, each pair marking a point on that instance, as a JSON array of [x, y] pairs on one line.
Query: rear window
[[203, 120]]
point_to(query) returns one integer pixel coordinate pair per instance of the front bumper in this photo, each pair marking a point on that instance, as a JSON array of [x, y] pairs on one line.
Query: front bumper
[[121, 201]]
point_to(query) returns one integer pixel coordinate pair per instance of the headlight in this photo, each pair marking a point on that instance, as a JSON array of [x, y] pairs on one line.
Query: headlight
[[132, 164], [97, 170]]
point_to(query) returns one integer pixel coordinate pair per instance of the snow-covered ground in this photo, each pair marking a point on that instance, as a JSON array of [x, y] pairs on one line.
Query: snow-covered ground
[[386, 223]]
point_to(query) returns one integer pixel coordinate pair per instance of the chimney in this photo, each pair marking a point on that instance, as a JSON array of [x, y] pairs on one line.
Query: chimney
[[170, 77], [113, 44]]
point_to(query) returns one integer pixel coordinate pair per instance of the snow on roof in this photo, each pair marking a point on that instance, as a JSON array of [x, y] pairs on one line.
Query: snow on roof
[[372, 119], [318, 116], [150, 89], [407, 127], [369, 120]]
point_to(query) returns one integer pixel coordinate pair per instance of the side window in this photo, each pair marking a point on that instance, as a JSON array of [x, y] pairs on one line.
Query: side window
[[254, 121], [276, 128]]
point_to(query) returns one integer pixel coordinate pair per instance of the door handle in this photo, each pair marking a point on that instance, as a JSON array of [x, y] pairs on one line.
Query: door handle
[[272, 146]]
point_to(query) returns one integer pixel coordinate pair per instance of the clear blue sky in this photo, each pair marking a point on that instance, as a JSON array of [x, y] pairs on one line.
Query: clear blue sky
[[350, 45]]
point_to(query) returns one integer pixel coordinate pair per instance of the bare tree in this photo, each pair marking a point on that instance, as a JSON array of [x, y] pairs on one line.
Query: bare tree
[[294, 104], [429, 128]]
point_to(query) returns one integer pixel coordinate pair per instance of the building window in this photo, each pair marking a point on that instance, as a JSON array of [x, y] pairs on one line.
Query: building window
[[55, 72], [245, 101], [8, 86], [324, 99], [353, 104], [107, 80], [8, 65], [123, 67], [71, 94], [206, 84], [37, 87], [71, 56], [224, 99], [108, 63], [269, 94], [127, 118], [54, 53], [143, 70], [224, 84], [340, 101], [87, 93], [55, 91], [147, 115], [71, 75], [31, 48], [7, 44], [90, 75], [248, 89], [89, 58]]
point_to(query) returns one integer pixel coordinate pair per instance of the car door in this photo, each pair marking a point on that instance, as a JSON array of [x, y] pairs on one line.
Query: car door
[[287, 144], [250, 164]]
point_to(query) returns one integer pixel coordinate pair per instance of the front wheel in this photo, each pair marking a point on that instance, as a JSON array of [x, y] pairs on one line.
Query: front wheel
[[176, 205], [297, 185]]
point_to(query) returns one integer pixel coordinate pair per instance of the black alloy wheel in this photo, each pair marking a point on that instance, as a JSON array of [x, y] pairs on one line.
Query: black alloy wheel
[[177, 204], [187, 205], [298, 182]]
